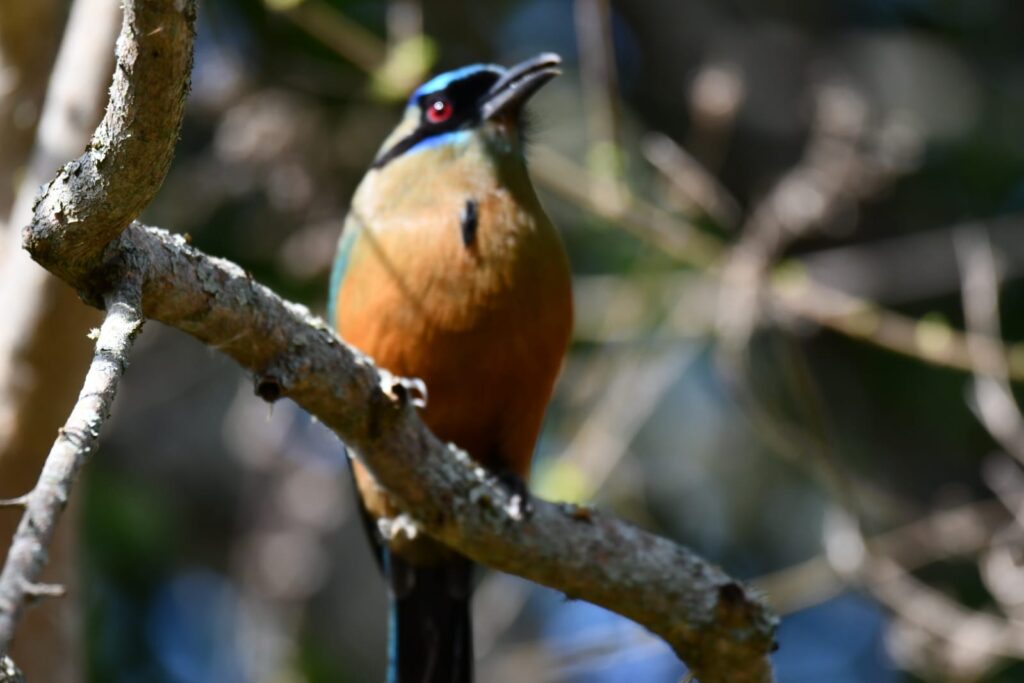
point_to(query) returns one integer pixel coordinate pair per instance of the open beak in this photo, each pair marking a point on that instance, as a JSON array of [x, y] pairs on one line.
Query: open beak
[[519, 83]]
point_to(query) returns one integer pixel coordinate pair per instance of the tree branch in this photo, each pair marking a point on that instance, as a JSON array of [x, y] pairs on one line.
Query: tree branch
[[994, 403], [711, 621], [77, 441], [95, 197]]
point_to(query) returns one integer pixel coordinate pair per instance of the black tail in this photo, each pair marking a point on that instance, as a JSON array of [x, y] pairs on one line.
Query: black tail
[[430, 638]]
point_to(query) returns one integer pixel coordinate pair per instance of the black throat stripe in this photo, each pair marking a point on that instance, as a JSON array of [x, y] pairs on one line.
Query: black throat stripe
[[464, 95], [468, 221], [401, 147]]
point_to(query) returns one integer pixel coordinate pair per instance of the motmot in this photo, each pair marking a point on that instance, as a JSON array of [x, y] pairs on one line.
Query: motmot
[[448, 270]]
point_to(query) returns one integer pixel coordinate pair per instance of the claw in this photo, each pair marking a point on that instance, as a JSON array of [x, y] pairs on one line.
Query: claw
[[399, 525], [401, 389], [520, 504]]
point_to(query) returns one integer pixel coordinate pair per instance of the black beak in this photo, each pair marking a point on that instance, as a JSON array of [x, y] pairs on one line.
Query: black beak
[[518, 84]]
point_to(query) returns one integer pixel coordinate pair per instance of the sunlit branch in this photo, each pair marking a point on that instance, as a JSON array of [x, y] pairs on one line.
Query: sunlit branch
[[77, 440]]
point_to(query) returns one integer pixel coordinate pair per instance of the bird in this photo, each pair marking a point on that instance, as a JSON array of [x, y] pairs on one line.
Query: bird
[[449, 270]]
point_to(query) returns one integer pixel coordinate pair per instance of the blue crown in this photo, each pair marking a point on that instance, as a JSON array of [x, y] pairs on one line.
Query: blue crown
[[442, 81]]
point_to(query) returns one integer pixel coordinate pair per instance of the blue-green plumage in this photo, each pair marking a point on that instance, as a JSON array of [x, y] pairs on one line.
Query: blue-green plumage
[[349, 234]]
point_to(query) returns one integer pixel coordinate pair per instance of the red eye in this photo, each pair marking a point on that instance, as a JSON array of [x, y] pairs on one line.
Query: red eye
[[439, 111]]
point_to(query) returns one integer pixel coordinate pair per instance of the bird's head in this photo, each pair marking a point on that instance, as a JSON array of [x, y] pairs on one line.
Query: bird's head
[[480, 100]]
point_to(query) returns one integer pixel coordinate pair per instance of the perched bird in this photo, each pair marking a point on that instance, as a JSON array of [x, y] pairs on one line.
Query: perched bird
[[448, 270]]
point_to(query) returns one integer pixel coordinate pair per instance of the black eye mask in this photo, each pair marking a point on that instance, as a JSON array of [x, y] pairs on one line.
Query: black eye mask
[[463, 95]]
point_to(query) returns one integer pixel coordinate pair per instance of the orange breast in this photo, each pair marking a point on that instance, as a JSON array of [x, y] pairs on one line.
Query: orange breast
[[485, 326]]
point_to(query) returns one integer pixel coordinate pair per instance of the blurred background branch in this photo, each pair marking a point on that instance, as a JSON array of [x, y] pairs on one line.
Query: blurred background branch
[[43, 344], [29, 34]]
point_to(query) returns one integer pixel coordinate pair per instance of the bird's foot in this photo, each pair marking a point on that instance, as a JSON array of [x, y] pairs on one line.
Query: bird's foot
[[520, 499], [402, 389]]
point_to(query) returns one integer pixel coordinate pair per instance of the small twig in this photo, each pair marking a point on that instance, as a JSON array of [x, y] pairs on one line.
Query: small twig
[[404, 21], [679, 239], [599, 81], [877, 269], [926, 341], [716, 95], [77, 441], [592, 456], [961, 531], [635, 391], [44, 590], [993, 403], [334, 29], [835, 172], [694, 184], [1002, 474], [18, 502], [970, 640], [395, 66]]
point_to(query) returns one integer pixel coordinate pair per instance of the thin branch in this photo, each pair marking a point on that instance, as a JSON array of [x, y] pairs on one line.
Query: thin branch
[[1003, 475], [635, 390], [695, 185], [876, 269], [43, 590], [970, 640], [77, 441], [964, 640], [599, 82], [395, 66], [679, 239], [333, 28], [927, 341], [838, 170], [994, 403], [716, 95], [404, 21], [961, 531]]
